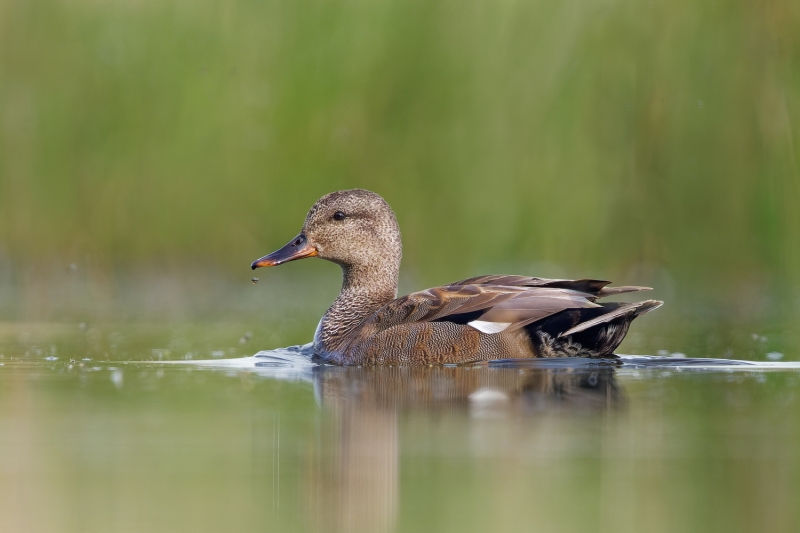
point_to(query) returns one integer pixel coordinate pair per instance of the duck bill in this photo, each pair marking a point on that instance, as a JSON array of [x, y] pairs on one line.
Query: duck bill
[[297, 248]]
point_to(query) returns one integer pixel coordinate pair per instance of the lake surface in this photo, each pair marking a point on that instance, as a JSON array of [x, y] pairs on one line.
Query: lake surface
[[201, 437]]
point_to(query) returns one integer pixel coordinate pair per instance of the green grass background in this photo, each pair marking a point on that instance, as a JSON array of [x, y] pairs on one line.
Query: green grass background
[[647, 142]]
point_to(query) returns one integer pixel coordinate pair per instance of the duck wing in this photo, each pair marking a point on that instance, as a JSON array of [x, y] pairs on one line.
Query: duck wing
[[591, 286], [490, 308], [595, 287]]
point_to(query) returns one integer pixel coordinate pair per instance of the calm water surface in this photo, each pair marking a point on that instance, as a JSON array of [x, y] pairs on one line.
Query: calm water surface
[[92, 441]]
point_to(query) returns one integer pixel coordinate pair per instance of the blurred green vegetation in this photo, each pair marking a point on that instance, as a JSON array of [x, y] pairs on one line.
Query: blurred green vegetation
[[648, 142]]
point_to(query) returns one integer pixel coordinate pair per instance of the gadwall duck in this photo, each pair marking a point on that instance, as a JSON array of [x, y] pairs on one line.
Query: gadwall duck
[[477, 319]]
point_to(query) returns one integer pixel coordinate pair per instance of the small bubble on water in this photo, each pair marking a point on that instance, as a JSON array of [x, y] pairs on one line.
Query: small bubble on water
[[254, 280], [662, 353], [116, 378], [774, 356], [678, 355], [218, 353], [51, 358]]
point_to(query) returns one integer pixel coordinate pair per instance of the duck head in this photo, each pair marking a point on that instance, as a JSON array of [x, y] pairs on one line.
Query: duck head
[[354, 228]]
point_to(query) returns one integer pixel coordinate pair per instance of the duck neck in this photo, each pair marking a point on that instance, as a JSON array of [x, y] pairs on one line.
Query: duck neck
[[365, 289]]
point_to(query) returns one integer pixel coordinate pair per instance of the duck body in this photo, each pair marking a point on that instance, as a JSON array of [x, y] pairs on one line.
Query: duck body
[[477, 319], [485, 318]]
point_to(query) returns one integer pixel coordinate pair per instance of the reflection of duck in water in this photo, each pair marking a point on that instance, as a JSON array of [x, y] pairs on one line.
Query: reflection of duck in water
[[477, 319], [353, 477], [447, 388]]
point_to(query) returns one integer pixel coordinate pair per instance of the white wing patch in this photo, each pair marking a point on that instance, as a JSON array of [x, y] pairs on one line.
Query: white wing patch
[[489, 327]]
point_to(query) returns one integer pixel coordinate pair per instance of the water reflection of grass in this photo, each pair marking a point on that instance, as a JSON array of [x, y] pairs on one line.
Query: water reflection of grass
[[207, 313], [233, 333]]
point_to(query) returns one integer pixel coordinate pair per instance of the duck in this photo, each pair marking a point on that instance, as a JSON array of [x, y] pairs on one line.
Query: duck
[[478, 319]]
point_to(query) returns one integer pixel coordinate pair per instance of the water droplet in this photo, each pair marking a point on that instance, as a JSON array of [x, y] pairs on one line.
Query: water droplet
[[774, 356], [254, 280]]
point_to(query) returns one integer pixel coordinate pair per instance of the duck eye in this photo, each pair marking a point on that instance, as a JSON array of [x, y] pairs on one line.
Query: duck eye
[[338, 215]]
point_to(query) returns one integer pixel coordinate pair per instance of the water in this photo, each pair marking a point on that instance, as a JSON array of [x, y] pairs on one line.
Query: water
[[92, 441]]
